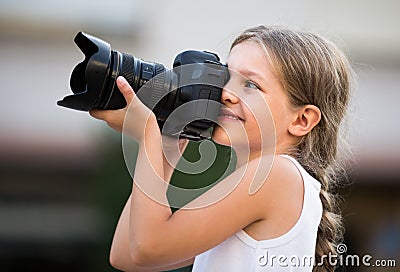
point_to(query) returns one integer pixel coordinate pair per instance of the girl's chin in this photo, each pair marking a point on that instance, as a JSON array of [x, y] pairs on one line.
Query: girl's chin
[[232, 139], [220, 137]]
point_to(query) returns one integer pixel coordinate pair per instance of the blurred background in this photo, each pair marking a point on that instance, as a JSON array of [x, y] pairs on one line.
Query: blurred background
[[63, 179]]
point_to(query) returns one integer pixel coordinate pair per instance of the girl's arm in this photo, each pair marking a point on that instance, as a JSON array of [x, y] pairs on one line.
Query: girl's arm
[[158, 237], [174, 242], [150, 236], [119, 254]]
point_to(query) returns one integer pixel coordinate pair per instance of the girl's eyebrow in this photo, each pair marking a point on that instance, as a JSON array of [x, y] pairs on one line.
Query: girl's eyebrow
[[246, 72], [250, 73]]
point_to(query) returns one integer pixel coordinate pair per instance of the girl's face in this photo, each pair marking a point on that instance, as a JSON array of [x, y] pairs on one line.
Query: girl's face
[[257, 113]]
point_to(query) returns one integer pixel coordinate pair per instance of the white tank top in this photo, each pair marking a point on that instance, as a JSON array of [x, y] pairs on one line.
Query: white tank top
[[293, 251]]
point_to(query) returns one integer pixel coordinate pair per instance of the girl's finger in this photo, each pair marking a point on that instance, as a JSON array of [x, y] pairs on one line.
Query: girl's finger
[[96, 114], [99, 114], [125, 89]]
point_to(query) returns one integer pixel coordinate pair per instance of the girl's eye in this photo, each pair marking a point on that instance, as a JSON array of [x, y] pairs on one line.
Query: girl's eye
[[251, 85]]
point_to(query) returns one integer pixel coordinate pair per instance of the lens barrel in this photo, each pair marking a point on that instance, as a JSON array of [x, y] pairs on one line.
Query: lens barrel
[[137, 73]]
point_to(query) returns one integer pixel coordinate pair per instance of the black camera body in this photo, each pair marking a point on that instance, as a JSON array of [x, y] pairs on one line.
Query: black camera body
[[185, 100]]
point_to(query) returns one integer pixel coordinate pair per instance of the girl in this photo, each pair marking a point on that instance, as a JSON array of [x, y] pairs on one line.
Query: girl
[[290, 216]]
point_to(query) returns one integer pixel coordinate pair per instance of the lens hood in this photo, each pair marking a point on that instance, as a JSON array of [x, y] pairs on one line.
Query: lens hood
[[89, 77]]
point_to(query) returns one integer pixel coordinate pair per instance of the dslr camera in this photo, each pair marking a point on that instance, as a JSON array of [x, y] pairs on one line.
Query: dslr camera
[[185, 99]]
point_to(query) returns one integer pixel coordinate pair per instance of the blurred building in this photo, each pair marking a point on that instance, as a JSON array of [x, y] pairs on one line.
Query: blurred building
[[62, 175]]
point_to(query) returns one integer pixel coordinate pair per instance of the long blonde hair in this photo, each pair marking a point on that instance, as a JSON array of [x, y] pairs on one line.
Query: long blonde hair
[[313, 71]]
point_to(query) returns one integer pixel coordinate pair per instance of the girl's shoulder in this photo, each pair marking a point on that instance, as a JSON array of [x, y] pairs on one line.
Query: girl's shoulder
[[282, 198], [283, 189], [283, 174]]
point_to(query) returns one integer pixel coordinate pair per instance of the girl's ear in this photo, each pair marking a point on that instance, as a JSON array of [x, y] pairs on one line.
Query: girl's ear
[[305, 120]]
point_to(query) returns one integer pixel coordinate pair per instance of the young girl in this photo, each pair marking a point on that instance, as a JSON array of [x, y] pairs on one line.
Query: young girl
[[290, 217]]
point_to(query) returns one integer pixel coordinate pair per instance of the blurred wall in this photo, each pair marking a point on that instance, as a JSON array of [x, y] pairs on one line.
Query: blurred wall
[[52, 193]]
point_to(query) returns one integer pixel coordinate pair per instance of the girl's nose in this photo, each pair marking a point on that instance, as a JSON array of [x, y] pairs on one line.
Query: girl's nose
[[228, 96]]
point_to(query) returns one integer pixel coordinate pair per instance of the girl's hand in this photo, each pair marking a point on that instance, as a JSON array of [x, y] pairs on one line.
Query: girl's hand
[[134, 120]]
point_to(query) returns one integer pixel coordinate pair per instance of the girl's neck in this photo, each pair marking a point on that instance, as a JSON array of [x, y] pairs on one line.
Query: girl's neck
[[244, 156]]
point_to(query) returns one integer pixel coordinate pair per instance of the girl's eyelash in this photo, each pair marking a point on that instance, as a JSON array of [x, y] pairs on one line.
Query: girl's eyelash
[[251, 84]]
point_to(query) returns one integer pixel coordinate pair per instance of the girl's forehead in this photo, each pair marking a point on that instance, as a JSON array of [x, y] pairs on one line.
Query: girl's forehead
[[250, 59], [248, 54]]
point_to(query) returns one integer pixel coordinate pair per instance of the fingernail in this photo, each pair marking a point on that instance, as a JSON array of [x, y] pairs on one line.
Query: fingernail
[[121, 80]]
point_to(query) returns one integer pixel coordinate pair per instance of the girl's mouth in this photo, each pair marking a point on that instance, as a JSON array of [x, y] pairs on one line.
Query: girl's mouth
[[228, 115]]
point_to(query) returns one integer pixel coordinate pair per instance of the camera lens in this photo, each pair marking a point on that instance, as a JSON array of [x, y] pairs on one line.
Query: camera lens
[[93, 80], [137, 72]]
